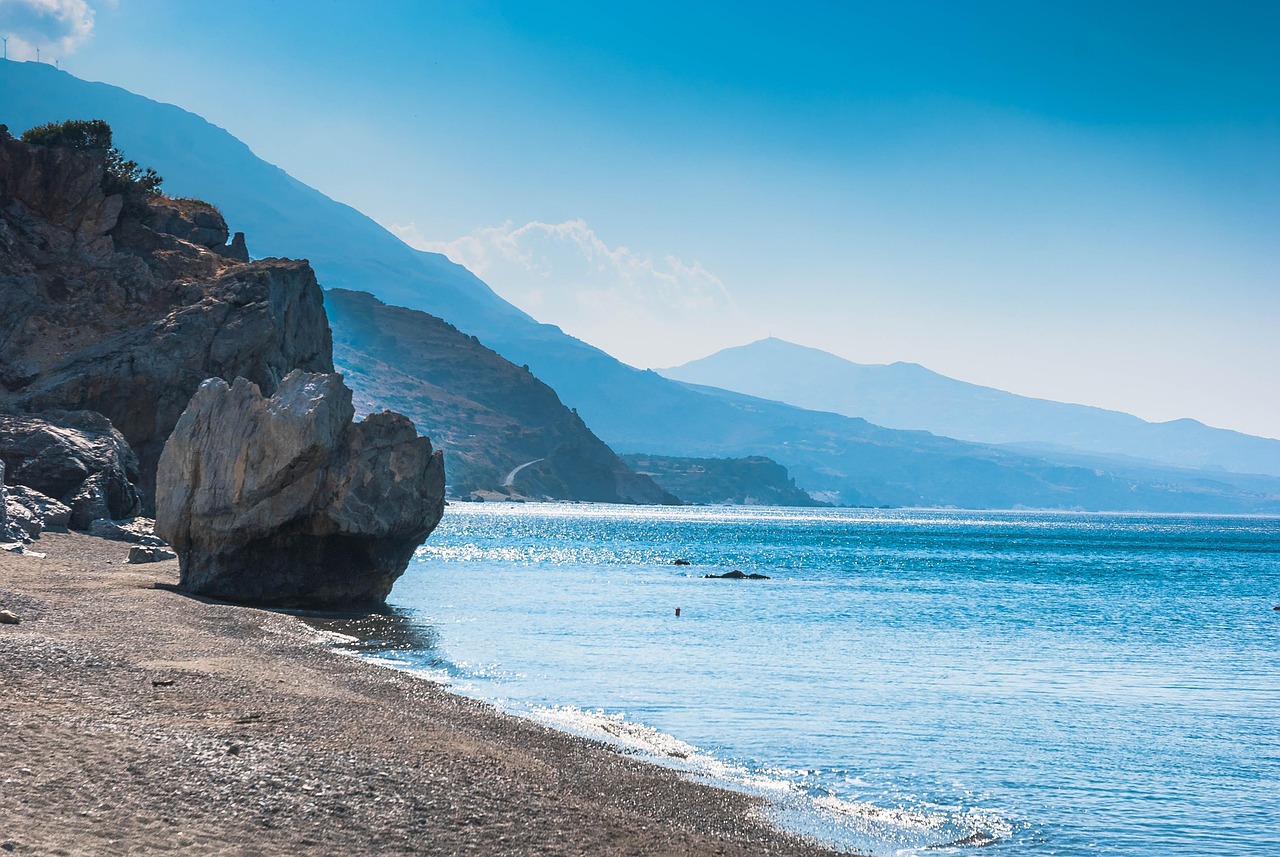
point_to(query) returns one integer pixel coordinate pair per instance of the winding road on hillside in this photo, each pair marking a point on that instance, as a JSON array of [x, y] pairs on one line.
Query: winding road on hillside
[[511, 477]]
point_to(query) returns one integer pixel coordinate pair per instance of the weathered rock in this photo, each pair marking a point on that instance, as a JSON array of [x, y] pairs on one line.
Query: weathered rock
[[8, 617], [30, 513], [100, 312], [284, 501], [189, 219], [150, 553], [74, 457], [138, 531], [736, 575]]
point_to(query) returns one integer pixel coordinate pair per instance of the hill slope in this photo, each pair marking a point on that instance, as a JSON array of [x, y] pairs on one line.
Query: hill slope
[[490, 416], [909, 396], [850, 460]]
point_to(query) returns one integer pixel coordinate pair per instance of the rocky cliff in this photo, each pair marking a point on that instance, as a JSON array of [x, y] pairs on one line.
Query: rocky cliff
[[103, 310], [125, 315]]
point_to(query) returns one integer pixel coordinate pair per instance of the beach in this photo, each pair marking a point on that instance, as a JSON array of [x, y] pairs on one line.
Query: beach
[[138, 720]]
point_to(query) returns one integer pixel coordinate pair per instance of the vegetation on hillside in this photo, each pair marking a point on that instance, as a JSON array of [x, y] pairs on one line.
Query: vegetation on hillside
[[135, 183]]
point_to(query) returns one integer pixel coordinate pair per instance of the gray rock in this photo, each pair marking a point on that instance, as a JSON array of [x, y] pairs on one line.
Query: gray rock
[[138, 531], [8, 617], [284, 501], [30, 513], [74, 457], [150, 553]]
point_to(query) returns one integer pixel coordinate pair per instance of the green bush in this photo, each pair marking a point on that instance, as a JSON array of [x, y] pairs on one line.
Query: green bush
[[122, 176]]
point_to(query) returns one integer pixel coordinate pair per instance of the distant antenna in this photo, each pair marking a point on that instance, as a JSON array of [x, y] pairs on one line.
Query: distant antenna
[[37, 53], [6, 46]]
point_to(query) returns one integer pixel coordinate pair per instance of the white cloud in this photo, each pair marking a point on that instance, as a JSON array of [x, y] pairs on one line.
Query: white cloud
[[56, 27], [641, 307]]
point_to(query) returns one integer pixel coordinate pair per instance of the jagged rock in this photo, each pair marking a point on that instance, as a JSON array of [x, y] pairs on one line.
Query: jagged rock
[[189, 219], [30, 513], [74, 457], [139, 531], [284, 501], [150, 553], [98, 311]]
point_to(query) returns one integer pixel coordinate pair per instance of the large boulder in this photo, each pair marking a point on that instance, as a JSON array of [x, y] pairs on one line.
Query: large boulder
[[74, 457], [285, 501]]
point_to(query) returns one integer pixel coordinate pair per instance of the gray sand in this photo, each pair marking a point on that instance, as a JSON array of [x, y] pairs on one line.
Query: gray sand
[[139, 721]]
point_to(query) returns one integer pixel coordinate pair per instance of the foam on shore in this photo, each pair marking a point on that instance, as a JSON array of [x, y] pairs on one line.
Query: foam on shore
[[793, 806]]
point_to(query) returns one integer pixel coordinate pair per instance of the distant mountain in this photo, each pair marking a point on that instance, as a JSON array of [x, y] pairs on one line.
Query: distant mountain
[[909, 396], [503, 431], [752, 481], [841, 459]]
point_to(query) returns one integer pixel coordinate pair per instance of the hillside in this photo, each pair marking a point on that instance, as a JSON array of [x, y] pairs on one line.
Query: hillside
[[752, 481], [909, 396], [488, 415], [848, 460]]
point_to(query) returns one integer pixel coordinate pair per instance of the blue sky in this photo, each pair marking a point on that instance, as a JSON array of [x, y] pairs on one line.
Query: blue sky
[[1079, 201]]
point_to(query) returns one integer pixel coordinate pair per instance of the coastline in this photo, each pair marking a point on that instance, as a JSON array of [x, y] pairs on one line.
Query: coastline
[[143, 721]]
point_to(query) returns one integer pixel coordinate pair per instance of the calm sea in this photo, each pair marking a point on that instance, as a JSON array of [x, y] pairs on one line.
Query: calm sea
[[1055, 684]]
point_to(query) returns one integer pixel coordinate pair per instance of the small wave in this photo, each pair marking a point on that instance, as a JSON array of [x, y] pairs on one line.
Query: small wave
[[856, 825]]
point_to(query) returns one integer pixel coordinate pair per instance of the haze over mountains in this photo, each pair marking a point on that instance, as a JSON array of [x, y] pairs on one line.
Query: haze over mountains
[[909, 396], [836, 458]]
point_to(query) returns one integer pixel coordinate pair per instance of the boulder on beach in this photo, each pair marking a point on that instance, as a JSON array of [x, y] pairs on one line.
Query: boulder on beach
[[76, 458], [150, 553], [285, 501]]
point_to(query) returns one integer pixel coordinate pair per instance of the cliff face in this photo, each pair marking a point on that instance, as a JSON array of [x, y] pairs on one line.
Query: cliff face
[[489, 415], [102, 310]]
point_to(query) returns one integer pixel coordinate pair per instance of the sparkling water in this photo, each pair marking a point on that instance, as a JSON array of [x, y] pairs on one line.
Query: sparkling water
[[1043, 684]]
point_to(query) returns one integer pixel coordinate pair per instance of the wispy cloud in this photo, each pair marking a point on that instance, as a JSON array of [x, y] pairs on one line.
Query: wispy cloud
[[56, 27], [611, 296]]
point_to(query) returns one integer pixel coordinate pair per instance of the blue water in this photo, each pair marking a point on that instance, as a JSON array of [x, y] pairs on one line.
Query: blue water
[[1061, 684]]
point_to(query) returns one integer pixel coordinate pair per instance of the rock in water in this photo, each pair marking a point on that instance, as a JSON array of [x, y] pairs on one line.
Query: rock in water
[[285, 501]]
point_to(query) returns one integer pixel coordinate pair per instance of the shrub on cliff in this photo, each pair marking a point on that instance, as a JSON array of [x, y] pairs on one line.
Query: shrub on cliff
[[135, 183]]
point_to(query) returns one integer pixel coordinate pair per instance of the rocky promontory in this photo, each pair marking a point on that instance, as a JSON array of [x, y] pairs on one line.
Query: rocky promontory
[[117, 306], [101, 312]]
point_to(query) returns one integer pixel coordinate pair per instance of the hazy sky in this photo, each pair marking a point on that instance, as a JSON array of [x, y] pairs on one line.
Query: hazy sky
[[1077, 201]]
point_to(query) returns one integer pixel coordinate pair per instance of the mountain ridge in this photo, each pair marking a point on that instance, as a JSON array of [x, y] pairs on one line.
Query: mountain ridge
[[845, 460], [910, 396]]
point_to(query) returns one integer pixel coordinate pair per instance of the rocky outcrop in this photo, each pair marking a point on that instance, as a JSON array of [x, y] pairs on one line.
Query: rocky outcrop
[[101, 312], [74, 457], [285, 501]]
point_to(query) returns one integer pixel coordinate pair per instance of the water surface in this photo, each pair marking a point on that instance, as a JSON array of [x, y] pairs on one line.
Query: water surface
[[1062, 684]]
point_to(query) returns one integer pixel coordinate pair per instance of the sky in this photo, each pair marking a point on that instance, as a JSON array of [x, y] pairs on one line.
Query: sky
[[1077, 201]]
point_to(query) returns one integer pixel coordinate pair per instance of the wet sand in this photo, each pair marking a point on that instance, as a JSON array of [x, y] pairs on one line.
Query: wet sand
[[137, 720]]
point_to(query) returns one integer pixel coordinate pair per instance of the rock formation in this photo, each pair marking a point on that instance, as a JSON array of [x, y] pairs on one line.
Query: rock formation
[[285, 501], [106, 311], [74, 457]]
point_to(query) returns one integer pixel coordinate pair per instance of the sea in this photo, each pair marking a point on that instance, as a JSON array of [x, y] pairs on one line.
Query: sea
[[905, 682]]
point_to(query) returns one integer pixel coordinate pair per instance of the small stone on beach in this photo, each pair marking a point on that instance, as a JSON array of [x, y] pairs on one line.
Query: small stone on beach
[[8, 617]]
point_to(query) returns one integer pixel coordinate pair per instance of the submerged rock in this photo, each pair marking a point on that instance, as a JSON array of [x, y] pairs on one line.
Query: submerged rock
[[737, 575], [285, 501]]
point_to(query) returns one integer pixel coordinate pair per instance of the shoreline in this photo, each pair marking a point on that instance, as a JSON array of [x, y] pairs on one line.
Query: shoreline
[[145, 721]]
